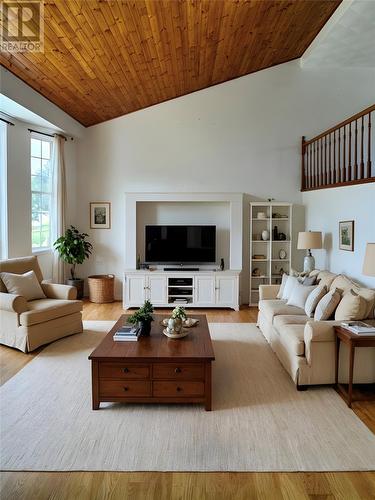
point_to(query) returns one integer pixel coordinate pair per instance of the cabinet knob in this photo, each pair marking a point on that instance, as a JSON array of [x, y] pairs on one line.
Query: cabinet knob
[[177, 370], [126, 370], [179, 389], [126, 389]]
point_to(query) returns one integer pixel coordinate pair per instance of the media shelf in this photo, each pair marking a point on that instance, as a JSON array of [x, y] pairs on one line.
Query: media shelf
[[187, 288]]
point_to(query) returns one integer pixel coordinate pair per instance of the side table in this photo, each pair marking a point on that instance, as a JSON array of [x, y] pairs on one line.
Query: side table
[[352, 340]]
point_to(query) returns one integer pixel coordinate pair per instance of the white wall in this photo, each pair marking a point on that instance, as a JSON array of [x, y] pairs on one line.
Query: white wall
[[324, 209], [217, 214], [240, 136]]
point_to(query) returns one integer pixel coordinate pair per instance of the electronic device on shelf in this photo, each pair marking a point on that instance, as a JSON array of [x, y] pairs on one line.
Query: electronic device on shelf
[[184, 244]]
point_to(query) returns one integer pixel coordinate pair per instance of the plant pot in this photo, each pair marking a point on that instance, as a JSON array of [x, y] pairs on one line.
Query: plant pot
[[78, 283], [145, 327]]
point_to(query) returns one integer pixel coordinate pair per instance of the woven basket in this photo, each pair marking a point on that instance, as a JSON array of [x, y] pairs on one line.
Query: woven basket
[[101, 288]]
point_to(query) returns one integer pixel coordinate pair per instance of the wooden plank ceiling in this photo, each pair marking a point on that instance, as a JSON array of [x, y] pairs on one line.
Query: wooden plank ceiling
[[104, 59]]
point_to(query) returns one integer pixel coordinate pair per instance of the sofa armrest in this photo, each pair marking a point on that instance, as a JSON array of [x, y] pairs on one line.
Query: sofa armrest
[[13, 303], [56, 291], [318, 331], [268, 292]]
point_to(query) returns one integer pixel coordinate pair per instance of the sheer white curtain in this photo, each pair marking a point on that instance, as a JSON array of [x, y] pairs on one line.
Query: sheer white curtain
[[3, 192], [59, 204]]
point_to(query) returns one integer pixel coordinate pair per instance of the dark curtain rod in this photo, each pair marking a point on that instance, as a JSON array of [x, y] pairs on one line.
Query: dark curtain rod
[[6, 121], [43, 133]]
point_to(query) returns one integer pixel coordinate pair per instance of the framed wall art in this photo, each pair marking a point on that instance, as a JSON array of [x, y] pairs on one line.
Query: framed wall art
[[100, 215], [346, 235]]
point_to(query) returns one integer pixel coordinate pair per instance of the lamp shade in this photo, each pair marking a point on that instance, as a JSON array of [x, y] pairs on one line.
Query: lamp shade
[[369, 262], [309, 239]]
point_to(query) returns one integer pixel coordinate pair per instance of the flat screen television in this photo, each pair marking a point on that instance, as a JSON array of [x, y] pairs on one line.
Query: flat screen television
[[180, 244]]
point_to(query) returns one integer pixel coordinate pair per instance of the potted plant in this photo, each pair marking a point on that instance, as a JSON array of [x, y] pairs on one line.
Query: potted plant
[[178, 316], [143, 318], [74, 249]]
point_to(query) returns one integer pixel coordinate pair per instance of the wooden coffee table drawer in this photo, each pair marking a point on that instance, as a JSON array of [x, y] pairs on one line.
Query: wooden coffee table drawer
[[123, 370], [177, 389], [178, 371], [124, 389]]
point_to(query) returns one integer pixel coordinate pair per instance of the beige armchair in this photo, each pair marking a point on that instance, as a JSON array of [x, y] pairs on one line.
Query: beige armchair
[[28, 325]]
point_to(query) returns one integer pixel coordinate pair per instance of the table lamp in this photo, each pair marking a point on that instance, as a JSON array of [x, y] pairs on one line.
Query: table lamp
[[369, 262], [306, 241]]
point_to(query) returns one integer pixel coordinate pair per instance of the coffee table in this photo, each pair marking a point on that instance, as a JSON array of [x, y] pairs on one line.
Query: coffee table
[[155, 369]]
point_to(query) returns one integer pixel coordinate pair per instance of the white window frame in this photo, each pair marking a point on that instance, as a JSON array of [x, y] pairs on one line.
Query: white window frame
[[3, 192], [41, 250]]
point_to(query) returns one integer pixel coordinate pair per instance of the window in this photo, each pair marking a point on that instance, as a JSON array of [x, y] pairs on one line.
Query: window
[[3, 192], [41, 192]]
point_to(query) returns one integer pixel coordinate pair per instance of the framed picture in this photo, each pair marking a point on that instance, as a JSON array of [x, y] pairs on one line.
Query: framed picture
[[100, 215], [346, 235]]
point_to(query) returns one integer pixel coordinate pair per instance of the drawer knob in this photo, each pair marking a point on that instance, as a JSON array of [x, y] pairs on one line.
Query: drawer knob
[[177, 370], [126, 389], [179, 389], [126, 370]]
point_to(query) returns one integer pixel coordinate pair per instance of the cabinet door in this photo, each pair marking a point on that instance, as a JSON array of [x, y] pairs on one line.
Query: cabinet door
[[204, 291], [226, 288], [136, 290], [157, 290]]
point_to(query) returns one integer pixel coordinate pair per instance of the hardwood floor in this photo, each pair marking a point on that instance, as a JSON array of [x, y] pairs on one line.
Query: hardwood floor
[[153, 485]]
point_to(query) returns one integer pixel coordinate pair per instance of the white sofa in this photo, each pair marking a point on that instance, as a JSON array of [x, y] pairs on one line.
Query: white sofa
[[306, 348]]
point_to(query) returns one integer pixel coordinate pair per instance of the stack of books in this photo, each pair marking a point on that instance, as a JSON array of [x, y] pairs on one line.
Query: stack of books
[[127, 333], [359, 327]]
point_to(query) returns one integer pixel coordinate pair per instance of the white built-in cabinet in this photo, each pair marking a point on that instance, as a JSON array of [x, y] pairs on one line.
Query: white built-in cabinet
[[269, 257], [199, 288]]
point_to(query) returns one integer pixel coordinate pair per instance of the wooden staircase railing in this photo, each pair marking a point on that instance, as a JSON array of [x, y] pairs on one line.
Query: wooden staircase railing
[[340, 156]]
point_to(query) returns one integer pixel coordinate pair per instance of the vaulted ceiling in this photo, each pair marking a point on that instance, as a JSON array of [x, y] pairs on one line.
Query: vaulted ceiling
[[103, 59]]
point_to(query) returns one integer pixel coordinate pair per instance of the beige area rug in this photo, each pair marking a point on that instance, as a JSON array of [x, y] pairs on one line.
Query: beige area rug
[[259, 421]]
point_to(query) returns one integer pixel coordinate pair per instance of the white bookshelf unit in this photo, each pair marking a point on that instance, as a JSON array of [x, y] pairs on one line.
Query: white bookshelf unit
[[270, 257]]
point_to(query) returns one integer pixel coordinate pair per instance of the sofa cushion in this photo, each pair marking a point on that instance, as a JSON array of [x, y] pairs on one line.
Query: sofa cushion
[[326, 278], [313, 300], [342, 284], [289, 319], [292, 338], [327, 305], [352, 307], [369, 295], [20, 266], [284, 279], [299, 295], [291, 282], [26, 285], [271, 308], [47, 309]]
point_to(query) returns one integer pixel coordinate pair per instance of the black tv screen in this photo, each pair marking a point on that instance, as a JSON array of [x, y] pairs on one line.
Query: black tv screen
[[180, 244]]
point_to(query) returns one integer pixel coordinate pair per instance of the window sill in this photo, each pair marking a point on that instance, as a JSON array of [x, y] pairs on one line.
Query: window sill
[[41, 251]]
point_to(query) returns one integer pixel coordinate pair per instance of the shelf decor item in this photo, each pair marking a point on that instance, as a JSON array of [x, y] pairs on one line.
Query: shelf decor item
[[261, 215], [282, 254], [346, 235], [74, 249], [306, 241], [100, 215], [265, 235], [143, 317]]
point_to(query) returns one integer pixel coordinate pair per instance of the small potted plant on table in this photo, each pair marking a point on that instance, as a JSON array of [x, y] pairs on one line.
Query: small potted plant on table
[[74, 249], [143, 318]]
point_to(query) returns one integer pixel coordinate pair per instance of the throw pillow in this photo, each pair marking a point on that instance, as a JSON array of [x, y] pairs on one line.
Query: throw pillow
[[313, 300], [282, 286], [369, 295], [289, 285], [26, 285], [299, 295], [309, 280], [352, 307], [327, 305]]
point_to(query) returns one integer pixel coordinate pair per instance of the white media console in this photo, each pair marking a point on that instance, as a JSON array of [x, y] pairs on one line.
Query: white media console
[[197, 288]]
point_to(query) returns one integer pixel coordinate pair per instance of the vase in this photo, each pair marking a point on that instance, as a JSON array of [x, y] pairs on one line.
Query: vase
[[78, 284], [145, 327], [265, 235], [174, 325]]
